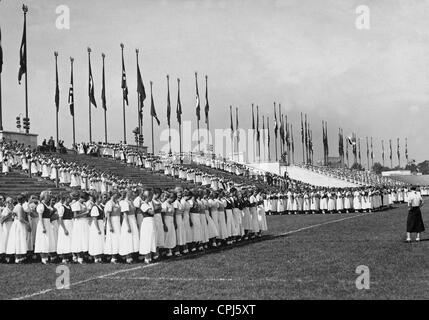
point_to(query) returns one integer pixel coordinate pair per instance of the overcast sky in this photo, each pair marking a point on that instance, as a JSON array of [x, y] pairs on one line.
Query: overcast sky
[[307, 55]]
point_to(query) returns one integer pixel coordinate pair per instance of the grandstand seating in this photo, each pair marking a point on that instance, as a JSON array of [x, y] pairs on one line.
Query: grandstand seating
[[317, 179], [120, 169], [422, 180], [17, 182]]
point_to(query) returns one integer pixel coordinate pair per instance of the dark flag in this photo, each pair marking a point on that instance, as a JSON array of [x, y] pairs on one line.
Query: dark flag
[[1, 55], [236, 125], [91, 86], [232, 124], [57, 87], [275, 121], [397, 151], [71, 91], [197, 99], [152, 106], [282, 138], [124, 80], [302, 131], [253, 119], [207, 108], [168, 102], [382, 151], [367, 149], [406, 149], [372, 152], [257, 124], [103, 88], [268, 128], [140, 90], [391, 154], [179, 105], [360, 158], [23, 54]]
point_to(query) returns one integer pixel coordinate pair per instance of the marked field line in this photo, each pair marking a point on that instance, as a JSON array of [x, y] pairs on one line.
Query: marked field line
[[111, 274]]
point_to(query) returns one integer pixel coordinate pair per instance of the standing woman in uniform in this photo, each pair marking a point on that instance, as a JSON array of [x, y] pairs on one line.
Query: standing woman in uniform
[[179, 209], [169, 227], [65, 228], [44, 233], [414, 221], [195, 222], [129, 239], [187, 220], [211, 227], [6, 222], [19, 231], [113, 228], [159, 222], [80, 239], [147, 231], [203, 220], [96, 230]]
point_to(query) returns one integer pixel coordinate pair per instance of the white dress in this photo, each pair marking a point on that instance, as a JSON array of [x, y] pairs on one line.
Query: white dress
[[64, 243], [129, 241], [18, 234], [96, 240], [80, 234], [111, 245], [44, 242], [147, 230]]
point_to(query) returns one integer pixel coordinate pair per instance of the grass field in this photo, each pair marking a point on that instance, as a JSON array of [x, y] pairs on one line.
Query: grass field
[[302, 257]]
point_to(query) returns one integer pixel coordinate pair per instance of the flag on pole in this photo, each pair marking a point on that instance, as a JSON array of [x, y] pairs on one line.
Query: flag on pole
[[275, 121], [397, 151], [179, 105], [268, 128], [292, 142], [168, 101], [57, 87], [302, 131], [91, 86], [141, 92], [257, 124], [197, 99], [1, 55], [253, 119], [71, 91], [372, 151], [124, 80], [236, 125], [23, 54], [232, 124], [152, 106], [207, 108], [282, 138], [103, 88], [382, 150], [390, 142], [406, 149]]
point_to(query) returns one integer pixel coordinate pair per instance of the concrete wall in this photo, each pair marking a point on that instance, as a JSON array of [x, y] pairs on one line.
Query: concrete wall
[[26, 139]]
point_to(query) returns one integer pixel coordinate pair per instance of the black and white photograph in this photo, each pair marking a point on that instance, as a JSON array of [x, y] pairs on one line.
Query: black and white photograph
[[214, 154]]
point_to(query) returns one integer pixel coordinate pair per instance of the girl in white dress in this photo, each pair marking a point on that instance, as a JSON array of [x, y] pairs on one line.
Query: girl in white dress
[[340, 202], [18, 234], [6, 221], [44, 243], [65, 229], [255, 202], [213, 206], [129, 239], [80, 233], [203, 220], [331, 202], [147, 231], [262, 219], [211, 226], [112, 213], [323, 202], [357, 201], [96, 230], [179, 209], [187, 220], [195, 223], [247, 218], [223, 232], [348, 200], [307, 204], [159, 222], [169, 228]]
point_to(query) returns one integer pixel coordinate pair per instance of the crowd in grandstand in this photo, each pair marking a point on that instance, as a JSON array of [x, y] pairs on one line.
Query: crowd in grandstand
[[107, 218]]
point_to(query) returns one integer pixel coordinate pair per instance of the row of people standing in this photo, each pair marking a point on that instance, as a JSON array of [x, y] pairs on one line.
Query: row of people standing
[[127, 225]]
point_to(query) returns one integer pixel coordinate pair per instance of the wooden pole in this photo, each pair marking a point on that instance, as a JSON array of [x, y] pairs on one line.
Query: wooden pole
[[123, 101], [151, 117], [105, 109], [56, 109], [25, 9], [73, 123]]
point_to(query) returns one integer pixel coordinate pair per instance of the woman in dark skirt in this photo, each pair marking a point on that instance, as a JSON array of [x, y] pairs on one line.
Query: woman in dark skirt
[[414, 221]]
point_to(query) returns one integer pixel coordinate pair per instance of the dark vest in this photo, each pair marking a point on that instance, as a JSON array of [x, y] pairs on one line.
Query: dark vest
[[68, 213]]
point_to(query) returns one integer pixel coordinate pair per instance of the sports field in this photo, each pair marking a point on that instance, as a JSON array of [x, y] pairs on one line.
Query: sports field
[[303, 257]]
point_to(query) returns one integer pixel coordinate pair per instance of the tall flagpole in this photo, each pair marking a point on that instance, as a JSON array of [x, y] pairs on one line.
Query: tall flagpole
[[89, 99], [139, 106], [103, 56], [268, 141], [237, 133], [56, 107], [180, 125], [123, 100], [276, 130], [72, 84], [281, 124], [153, 141], [25, 9], [207, 114], [169, 119], [198, 111]]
